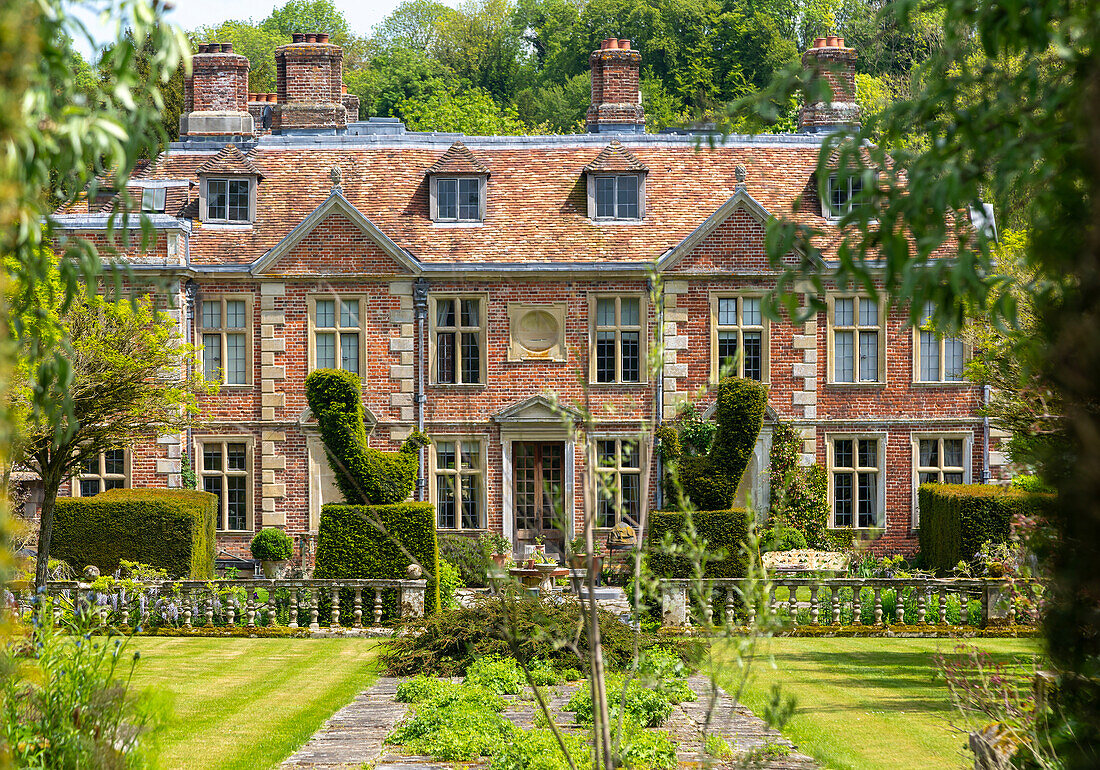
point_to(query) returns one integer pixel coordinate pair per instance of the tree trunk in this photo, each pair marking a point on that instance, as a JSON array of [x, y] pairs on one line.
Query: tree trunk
[[51, 482]]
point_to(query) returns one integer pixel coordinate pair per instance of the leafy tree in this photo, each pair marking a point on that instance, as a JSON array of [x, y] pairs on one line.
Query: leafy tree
[[558, 108], [799, 493], [140, 56], [415, 25], [471, 111], [397, 76], [479, 43], [1017, 124], [318, 16], [116, 389]]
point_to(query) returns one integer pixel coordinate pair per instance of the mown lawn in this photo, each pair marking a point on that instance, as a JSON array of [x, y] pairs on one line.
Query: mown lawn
[[867, 703], [248, 703]]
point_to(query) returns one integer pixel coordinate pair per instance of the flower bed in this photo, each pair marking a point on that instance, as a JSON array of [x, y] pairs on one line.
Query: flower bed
[[806, 559]]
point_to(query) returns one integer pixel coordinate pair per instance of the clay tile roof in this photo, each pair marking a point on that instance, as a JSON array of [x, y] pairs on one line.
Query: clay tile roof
[[229, 161], [458, 160], [615, 157]]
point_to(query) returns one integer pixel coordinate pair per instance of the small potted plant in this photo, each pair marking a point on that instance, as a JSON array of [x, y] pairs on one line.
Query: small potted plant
[[497, 547], [273, 549]]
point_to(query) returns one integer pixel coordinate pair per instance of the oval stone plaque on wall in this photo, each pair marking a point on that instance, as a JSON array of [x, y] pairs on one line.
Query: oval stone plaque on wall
[[537, 332]]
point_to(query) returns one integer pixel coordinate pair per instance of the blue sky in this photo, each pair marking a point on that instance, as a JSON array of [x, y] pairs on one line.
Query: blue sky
[[362, 15]]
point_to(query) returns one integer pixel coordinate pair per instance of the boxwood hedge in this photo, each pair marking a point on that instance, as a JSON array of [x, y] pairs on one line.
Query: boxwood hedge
[[955, 519], [379, 542], [172, 529], [723, 531]]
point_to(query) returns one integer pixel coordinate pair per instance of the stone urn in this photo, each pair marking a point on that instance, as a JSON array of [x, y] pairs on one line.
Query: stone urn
[[274, 570]]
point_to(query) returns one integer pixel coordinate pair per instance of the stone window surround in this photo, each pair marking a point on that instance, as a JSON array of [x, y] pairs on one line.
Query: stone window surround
[[765, 337], [483, 299], [249, 342], [825, 199], [311, 327], [881, 327], [517, 351], [482, 473], [433, 198], [253, 186], [249, 442], [591, 196], [967, 353], [643, 338], [593, 460], [102, 475], [967, 466], [882, 438]]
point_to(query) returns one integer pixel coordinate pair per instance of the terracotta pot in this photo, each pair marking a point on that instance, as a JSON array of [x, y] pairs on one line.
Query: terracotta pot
[[322, 37], [831, 41], [499, 559], [311, 37], [298, 37]]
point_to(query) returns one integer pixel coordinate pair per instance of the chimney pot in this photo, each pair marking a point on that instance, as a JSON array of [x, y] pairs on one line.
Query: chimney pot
[[202, 48], [831, 41], [624, 45], [298, 37], [613, 43], [311, 37], [322, 37], [840, 42], [227, 48], [819, 42]]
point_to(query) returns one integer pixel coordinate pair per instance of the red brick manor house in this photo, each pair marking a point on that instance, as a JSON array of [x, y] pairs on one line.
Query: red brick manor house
[[480, 285]]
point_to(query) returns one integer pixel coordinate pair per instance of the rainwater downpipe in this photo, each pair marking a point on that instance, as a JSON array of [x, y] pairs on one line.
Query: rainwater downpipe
[[191, 290], [659, 293], [986, 397], [420, 305]]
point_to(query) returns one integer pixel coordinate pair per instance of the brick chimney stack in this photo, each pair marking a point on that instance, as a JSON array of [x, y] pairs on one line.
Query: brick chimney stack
[[616, 98], [309, 73], [215, 97], [829, 59]]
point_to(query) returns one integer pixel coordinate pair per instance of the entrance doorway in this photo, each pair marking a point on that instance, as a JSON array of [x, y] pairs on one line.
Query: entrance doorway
[[539, 493]]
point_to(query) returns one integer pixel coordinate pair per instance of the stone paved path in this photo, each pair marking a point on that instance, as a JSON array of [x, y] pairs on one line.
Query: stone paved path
[[354, 736]]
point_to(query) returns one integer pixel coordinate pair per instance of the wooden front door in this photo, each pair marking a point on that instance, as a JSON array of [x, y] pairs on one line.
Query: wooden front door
[[539, 493]]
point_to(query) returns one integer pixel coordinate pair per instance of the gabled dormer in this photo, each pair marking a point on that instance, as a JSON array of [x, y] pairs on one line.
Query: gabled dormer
[[227, 188], [457, 182], [616, 185]]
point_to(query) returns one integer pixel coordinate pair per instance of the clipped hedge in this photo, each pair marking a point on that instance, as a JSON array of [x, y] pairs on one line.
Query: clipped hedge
[[955, 519], [171, 529], [722, 530], [379, 542]]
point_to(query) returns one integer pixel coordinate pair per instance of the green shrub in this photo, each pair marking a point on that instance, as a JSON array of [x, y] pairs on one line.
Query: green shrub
[[955, 519], [422, 687], [538, 749], [364, 475], [640, 704], [469, 557], [501, 675], [379, 541], [780, 538], [710, 481], [458, 726], [543, 674], [724, 532], [170, 529], [799, 493], [648, 749], [449, 582], [1026, 483], [271, 544], [447, 643]]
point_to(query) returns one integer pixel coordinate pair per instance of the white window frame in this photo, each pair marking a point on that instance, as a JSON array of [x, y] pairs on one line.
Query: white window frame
[[313, 330], [855, 469], [248, 473], [224, 331], [591, 194], [433, 198], [967, 438], [458, 472], [739, 328], [856, 328], [153, 199], [616, 472], [102, 475], [941, 341], [458, 329], [643, 337], [204, 199], [853, 185]]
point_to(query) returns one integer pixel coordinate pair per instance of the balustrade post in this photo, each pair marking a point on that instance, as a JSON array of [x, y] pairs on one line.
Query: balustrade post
[[674, 603], [922, 604], [750, 603], [294, 608], [729, 608], [231, 609], [792, 602], [334, 622], [857, 608], [272, 610], [358, 614], [185, 599], [899, 604], [773, 606], [834, 600], [56, 609], [943, 605], [314, 594], [250, 608], [878, 605], [814, 608], [377, 608], [210, 607]]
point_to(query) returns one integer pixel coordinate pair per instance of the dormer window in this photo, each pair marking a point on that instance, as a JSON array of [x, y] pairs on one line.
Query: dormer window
[[617, 197], [842, 195], [152, 200], [458, 199], [616, 185], [227, 200]]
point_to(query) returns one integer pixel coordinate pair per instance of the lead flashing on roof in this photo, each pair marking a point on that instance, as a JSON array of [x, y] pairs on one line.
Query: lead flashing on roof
[[132, 222]]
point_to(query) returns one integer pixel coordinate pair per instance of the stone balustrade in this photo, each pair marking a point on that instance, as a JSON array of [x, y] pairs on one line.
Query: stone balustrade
[[319, 605], [819, 601]]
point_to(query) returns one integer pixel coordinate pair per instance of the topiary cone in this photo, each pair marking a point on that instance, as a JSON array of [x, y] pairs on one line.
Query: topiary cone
[[364, 475]]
